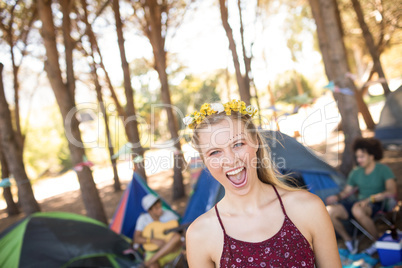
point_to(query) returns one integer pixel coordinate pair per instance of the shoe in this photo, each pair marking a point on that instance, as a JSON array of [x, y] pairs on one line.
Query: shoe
[[370, 250], [352, 246]]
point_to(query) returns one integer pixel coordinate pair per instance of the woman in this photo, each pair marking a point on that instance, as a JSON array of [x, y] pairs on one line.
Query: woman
[[260, 222]]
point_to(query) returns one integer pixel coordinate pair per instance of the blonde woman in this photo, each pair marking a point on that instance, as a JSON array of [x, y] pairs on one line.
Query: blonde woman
[[260, 222]]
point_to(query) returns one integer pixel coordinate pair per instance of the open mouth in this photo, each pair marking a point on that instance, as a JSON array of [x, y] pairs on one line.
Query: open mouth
[[238, 177]]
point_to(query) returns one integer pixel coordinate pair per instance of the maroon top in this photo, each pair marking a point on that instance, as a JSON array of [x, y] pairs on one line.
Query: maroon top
[[287, 248]]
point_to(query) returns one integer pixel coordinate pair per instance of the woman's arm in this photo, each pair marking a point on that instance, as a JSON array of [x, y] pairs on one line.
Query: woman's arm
[[197, 246], [323, 235]]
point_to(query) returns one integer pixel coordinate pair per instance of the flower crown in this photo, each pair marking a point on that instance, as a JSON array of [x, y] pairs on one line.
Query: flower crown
[[197, 117]]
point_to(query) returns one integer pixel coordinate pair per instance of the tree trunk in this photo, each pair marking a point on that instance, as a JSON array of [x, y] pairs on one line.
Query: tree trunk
[[65, 100], [131, 124], [18, 133], [322, 37], [153, 14], [242, 81], [95, 48], [98, 89], [117, 185], [368, 37], [364, 111], [12, 207], [339, 68], [68, 44], [14, 159], [178, 186]]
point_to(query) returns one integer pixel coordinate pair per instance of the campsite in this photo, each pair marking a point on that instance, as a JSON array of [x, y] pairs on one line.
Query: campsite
[[120, 118], [319, 175]]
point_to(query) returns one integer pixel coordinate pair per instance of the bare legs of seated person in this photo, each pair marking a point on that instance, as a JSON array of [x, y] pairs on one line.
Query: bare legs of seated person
[[362, 214], [171, 246]]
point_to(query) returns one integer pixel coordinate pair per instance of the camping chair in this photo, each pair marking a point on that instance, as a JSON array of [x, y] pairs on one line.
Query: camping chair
[[388, 205]]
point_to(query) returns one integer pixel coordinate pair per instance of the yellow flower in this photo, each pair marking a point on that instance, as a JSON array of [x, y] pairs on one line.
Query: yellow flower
[[234, 105], [208, 109], [204, 108], [199, 119], [228, 110]]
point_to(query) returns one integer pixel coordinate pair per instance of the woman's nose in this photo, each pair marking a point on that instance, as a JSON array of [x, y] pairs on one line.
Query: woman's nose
[[229, 159]]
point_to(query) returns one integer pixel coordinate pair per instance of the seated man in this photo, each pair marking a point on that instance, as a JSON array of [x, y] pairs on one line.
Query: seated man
[[167, 250], [374, 182]]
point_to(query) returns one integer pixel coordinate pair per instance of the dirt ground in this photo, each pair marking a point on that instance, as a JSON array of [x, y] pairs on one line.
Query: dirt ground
[[71, 201]]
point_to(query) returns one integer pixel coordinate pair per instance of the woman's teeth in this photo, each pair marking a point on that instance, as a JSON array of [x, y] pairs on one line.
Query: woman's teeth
[[236, 171]]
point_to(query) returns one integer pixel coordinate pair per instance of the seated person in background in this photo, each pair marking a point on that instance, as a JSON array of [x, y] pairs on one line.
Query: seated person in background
[[166, 250], [374, 183]]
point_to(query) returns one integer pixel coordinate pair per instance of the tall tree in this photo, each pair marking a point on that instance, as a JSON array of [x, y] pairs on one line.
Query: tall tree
[[324, 13], [94, 48], [131, 123], [12, 207], [16, 22], [325, 52], [156, 18], [243, 79], [14, 159], [368, 37], [65, 98]]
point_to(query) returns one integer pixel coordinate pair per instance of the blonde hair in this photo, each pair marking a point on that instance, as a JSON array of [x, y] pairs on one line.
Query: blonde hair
[[266, 170]]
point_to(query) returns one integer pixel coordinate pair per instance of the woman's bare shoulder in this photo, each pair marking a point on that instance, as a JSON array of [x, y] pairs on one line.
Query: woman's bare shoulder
[[300, 200], [203, 226]]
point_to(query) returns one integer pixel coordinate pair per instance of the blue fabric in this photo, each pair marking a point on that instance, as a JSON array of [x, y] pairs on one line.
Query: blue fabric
[[137, 189], [205, 195], [356, 260], [320, 184], [134, 207], [389, 135], [5, 183]]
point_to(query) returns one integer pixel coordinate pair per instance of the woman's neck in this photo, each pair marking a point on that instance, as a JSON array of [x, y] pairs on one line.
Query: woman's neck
[[259, 194]]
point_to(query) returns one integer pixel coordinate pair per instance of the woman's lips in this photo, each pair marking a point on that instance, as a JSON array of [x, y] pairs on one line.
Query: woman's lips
[[238, 177]]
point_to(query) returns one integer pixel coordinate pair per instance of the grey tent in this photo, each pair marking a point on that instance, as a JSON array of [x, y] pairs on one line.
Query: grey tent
[[389, 127]]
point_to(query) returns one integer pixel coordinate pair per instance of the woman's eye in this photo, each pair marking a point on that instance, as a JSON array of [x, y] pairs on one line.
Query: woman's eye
[[213, 153], [238, 144]]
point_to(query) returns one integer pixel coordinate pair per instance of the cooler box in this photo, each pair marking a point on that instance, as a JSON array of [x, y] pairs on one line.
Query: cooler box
[[389, 250]]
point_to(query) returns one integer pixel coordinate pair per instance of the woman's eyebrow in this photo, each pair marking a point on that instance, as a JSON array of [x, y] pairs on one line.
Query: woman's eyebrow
[[237, 135]]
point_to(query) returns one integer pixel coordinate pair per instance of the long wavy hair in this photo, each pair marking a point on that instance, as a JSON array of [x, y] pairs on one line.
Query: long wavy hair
[[266, 170]]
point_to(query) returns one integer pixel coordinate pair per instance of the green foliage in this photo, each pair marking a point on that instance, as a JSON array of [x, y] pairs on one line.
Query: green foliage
[[187, 91], [382, 18], [297, 25], [193, 91], [286, 89], [46, 148]]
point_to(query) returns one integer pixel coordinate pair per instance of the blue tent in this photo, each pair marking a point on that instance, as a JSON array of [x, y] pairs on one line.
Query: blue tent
[[130, 208], [291, 158]]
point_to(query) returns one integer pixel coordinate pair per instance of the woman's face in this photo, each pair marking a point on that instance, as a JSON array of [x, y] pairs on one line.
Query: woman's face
[[229, 152], [363, 158]]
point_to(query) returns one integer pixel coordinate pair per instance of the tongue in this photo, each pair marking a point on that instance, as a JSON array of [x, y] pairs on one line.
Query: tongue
[[238, 179]]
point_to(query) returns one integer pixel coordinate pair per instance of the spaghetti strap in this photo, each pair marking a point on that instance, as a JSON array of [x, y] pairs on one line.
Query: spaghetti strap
[[280, 200], [219, 218]]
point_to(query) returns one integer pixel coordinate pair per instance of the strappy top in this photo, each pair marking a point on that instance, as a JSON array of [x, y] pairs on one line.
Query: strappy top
[[287, 248]]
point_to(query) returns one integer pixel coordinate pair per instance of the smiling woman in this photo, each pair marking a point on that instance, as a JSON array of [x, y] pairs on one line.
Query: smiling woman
[[261, 221]]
